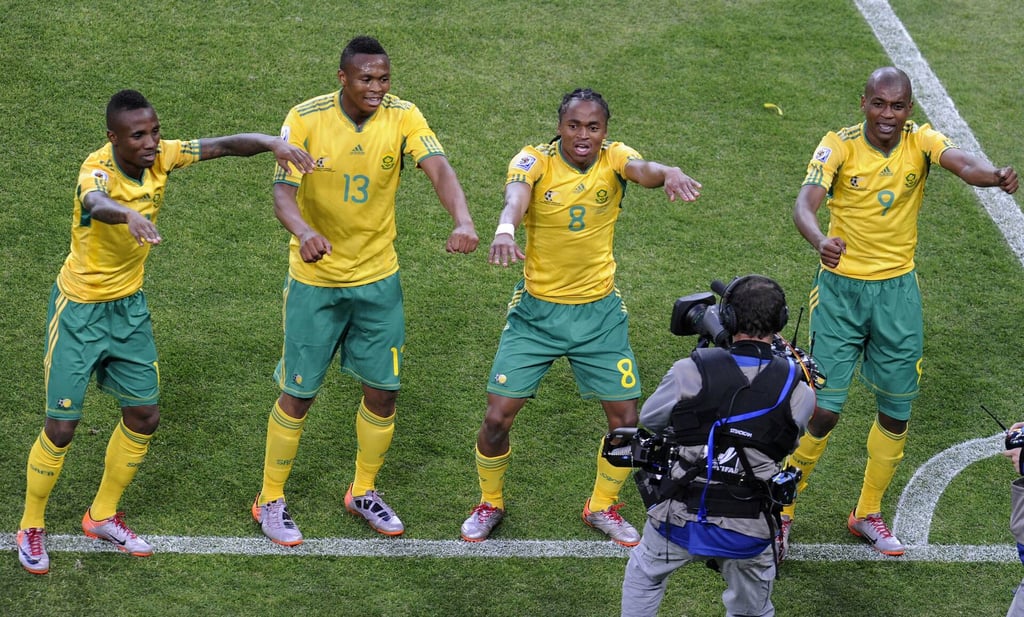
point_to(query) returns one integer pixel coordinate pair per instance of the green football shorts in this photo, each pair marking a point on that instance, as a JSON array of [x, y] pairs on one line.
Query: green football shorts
[[594, 337], [113, 340], [365, 325], [876, 323]]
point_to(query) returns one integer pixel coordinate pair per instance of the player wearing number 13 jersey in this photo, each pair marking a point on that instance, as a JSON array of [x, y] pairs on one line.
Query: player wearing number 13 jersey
[[342, 295], [568, 195], [350, 197], [865, 303]]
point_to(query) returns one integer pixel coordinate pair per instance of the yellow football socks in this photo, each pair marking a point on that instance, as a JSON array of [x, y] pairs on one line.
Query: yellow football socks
[[283, 434], [805, 458], [608, 483], [373, 436], [885, 451], [125, 452], [491, 471], [45, 461]]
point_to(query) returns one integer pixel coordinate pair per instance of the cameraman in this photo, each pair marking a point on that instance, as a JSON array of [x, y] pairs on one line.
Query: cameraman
[[750, 406], [1017, 520]]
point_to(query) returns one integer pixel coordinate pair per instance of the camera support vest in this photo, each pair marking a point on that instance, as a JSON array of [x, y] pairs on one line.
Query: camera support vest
[[731, 411], [729, 403]]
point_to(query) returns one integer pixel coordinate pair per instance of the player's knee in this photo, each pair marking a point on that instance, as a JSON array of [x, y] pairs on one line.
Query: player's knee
[[143, 419], [380, 402], [822, 422], [60, 432]]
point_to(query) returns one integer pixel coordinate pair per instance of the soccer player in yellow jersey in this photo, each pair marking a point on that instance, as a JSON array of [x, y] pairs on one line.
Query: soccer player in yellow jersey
[[342, 294], [865, 302], [98, 321], [568, 195]]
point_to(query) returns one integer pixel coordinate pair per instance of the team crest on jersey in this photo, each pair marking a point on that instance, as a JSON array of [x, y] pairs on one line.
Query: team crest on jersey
[[910, 180], [602, 196], [525, 162], [822, 154], [322, 163], [388, 162]]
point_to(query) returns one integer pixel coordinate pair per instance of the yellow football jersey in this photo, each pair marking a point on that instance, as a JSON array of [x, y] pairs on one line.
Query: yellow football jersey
[[106, 263], [350, 197], [874, 198], [570, 223]]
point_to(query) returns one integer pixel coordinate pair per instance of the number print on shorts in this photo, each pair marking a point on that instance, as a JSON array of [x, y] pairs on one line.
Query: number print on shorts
[[625, 367]]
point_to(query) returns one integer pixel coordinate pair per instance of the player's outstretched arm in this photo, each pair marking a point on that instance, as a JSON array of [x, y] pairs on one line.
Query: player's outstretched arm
[[248, 144], [463, 238], [651, 175], [976, 171], [102, 207]]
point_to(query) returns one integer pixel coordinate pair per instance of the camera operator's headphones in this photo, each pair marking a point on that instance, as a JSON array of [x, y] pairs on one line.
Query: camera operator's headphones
[[727, 314]]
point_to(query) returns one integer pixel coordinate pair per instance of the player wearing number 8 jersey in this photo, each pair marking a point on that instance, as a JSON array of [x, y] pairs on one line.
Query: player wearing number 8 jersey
[[342, 295], [865, 302], [568, 195]]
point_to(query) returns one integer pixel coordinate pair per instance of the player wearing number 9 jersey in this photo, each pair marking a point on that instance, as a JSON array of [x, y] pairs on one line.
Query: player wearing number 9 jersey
[[568, 195], [865, 302], [342, 295]]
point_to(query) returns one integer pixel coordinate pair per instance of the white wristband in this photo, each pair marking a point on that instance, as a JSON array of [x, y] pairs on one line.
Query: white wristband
[[506, 228]]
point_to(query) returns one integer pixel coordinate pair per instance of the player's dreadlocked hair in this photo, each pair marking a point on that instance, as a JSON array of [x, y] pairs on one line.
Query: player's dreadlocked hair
[[361, 45], [583, 94], [125, 100]]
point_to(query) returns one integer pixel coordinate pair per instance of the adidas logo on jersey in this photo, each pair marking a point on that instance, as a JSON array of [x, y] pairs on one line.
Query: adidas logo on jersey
[[358, 150], [886, 172]]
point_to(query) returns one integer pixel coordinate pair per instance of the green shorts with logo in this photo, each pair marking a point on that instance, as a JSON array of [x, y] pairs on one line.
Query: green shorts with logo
[[113, 340], [364, 325], [594, 337], [876, 323]]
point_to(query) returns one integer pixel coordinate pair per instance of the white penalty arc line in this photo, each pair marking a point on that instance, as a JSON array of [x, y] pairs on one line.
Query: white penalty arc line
[[939, 107], [917, 504], [501, 549]]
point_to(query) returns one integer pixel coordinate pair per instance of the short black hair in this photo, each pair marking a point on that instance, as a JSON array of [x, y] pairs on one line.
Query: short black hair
[[888, 76], [361, 45], [759, 305], [124, 100], [583, 94]]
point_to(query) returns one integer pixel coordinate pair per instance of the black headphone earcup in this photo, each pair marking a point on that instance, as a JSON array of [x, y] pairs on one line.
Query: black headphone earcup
[[727, 315], [783, 318]]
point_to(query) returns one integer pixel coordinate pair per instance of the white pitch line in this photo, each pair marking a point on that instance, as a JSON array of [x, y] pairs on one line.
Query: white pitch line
[[938, 106], [505, 549], [917, 504]]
